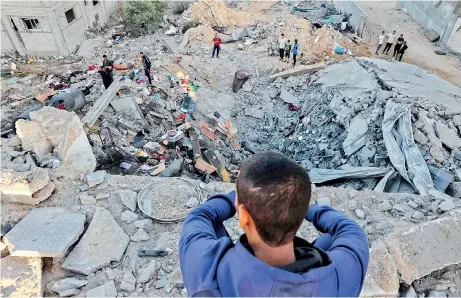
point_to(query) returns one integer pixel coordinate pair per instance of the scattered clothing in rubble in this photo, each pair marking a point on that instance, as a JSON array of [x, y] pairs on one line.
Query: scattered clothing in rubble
[[390, 41], [380, 42], [61, 105], [216, 45]]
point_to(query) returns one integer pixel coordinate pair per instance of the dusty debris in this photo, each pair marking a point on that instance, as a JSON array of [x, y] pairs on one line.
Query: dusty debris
[[45, 232], [103, 242], [67, 286], [106, 290], [29, 188], [21, 277]]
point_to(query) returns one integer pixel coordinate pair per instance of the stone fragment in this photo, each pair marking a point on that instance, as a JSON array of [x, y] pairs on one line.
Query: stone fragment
[[457, 120], [417, 215], [152, 147], [385, 206], [102, 196], [458, 174], [45, 232], [106, 290], [58, 130], [356, 135], [140, 235], [323, 201], [382, 278], [143, 224], [4, 250], [192, 202], [69, 292], [87, 200], [448, 137], [428, 247], [447, 205], [440, 178], [29, 187], [428, 129], [413, 204], [359, 213], [129, 216], [128, 198], [103, 242], [419, 136], [287, 97], [21, 277], [437, 294], [128, 283], [148, 272], [297, 71], [161, 283], [437, 154], [95, 178], [62, 287], [454, 190]]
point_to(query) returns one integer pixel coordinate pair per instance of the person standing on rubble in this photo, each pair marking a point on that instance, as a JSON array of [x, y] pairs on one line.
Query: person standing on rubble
[[402, 51], [147, 65], [282, 42], [390, 41], [380, 42], [287, 51], [295, 51], [106, 71], [216, 45], [272, 200], [398, 45]]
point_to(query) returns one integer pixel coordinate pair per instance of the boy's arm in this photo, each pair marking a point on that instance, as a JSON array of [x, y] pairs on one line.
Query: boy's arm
[[202, 243], [349, 247]]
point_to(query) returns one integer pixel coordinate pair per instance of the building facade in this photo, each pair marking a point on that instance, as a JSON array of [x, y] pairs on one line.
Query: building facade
[[50, 28], [444, 17]]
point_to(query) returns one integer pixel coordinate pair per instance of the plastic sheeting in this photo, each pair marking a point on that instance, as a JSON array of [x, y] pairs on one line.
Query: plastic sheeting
[[74, 99], [324, 175], [401, 148]]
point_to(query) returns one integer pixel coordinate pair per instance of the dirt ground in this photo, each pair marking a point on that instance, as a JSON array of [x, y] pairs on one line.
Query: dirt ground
[[383, 15]]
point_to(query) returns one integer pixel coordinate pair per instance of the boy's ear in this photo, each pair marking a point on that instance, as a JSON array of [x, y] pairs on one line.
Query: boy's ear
[[244, 216]]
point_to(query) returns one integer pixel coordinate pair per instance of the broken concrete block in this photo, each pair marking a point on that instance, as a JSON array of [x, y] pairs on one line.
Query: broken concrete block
[[103, 242], [21, 277], [143, 224], [61, 131], [125, 105], [299, 70], [129, 216], [428, 247], [87, 200], [95, 178], [457, 120], [440, 178], [419, 136], [128, 198], [4, 250], [147, 273], [447, 205], [382, 278], [192, 202], [128, 283], [323, 201], [437, 154], [106, 290], [359, 213], [428, 129], [140, 235], [356, 135], [64, 286], [448, 137], [152, 147], [454, 190], [30, 187], [287, 97], [45, 232]]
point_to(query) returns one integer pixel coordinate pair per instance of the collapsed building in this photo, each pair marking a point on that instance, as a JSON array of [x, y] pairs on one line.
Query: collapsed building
[[380, 140]]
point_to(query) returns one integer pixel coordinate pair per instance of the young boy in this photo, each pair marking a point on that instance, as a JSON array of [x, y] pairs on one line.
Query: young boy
[[272, 200], [295, 51], [216, 45], [287, 51]]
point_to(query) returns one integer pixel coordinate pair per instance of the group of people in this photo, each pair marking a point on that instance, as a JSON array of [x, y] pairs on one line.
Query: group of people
[[399, 47], [285, 48]]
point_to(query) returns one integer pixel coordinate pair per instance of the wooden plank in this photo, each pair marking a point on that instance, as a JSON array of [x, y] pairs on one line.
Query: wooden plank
[[203, 166], [220, 169]]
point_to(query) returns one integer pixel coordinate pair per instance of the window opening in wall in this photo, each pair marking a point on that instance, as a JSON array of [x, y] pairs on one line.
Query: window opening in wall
[[70, 16], [31, 23], [95, 3]]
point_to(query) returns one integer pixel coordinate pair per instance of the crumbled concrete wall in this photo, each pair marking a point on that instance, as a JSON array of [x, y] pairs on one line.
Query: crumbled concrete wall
[[52, 130], [358, 18]]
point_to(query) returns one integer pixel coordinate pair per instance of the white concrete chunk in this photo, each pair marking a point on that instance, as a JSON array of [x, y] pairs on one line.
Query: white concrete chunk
[[21, 277], [147, 272], [103, 242], [62, 287], [287, 97], [128, 283], [45, 232], [382, 278], [428, 247], [448, 137], [128, 198], [106, 290], [95, 178]]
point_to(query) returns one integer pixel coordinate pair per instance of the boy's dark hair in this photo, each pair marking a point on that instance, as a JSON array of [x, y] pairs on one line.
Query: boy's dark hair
[[61, 101], [104, 56], [276, 192], [142, 53], [296, 40]]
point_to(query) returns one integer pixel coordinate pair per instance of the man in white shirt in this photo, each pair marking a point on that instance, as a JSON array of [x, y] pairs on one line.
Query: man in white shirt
[[380, 42], [390, 41], [282, 42]]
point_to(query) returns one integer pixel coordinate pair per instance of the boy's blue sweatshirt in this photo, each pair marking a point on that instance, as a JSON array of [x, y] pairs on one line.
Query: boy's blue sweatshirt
[[213, 266]]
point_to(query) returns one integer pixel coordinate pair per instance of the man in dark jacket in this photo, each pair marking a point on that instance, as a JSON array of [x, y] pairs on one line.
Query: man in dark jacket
[[147, 65], [272, 200], [106, 71], [398, 45], [402, 51]]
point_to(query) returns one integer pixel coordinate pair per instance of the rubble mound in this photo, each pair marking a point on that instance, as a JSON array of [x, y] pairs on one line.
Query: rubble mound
[[217, 14]]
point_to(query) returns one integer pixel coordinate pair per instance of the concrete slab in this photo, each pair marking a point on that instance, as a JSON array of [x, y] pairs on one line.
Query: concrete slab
[[428, 247], [106, 290], [211, 101], [288, 97], [21, 277], [103, 242], [382, 278], [348, 75], [401, 76], [171, 44], [125, 105], [128, 198], [45, 232], [300, 70]]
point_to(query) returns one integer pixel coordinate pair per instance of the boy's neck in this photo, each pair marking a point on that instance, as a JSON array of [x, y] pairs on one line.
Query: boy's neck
[[274, 256]]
